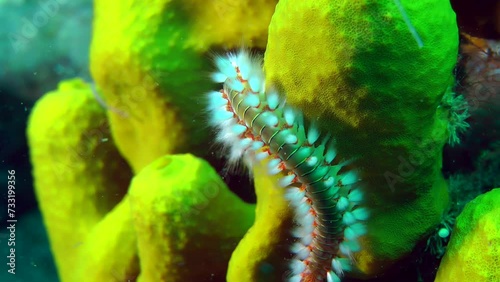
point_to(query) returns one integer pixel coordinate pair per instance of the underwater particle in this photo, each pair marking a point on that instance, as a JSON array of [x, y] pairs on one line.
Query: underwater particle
[[443, 233], [319, 188]]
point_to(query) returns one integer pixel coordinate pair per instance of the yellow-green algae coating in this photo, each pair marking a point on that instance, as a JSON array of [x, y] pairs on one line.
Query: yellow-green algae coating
[[355, 69], [151, 60], [78, 175], [187, 220], [473, 253]]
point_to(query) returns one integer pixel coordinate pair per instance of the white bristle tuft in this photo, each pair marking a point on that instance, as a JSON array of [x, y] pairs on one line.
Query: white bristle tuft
[[307, 229], [355, 196], [221, 116], [238, 129], [345, 263], [307, 239], [257, 145], [289, 116], [261, 155], [354, 246], [344, 249], [328, 182], [312, 161], [301, 252], [359, 229], [225, 135], [349, 178], [223, 125], [342, 204], [286, 181], [216, 101], [291, 139], [332, 277], [255, 82], [274, 171], [295, 278], [361, 213], [312, 134], [273, 100], [307, 220], [244, 64], [297, 266], [298, 233], [350, 234], [337, 266], [245, 143], [349, 247], [348, 218], [295, 195], [271, 119], [330, 154], [235, 155], [218, 77], [226, 67], [252, 100], [273, 167], [303, 208], [235, 84]]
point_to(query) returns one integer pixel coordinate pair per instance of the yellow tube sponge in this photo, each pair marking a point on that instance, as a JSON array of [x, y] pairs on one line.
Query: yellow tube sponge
[[473, 253], [187, 221], [356, 69], [259, 255], [79, 175], [109, 252], [151, 61]]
